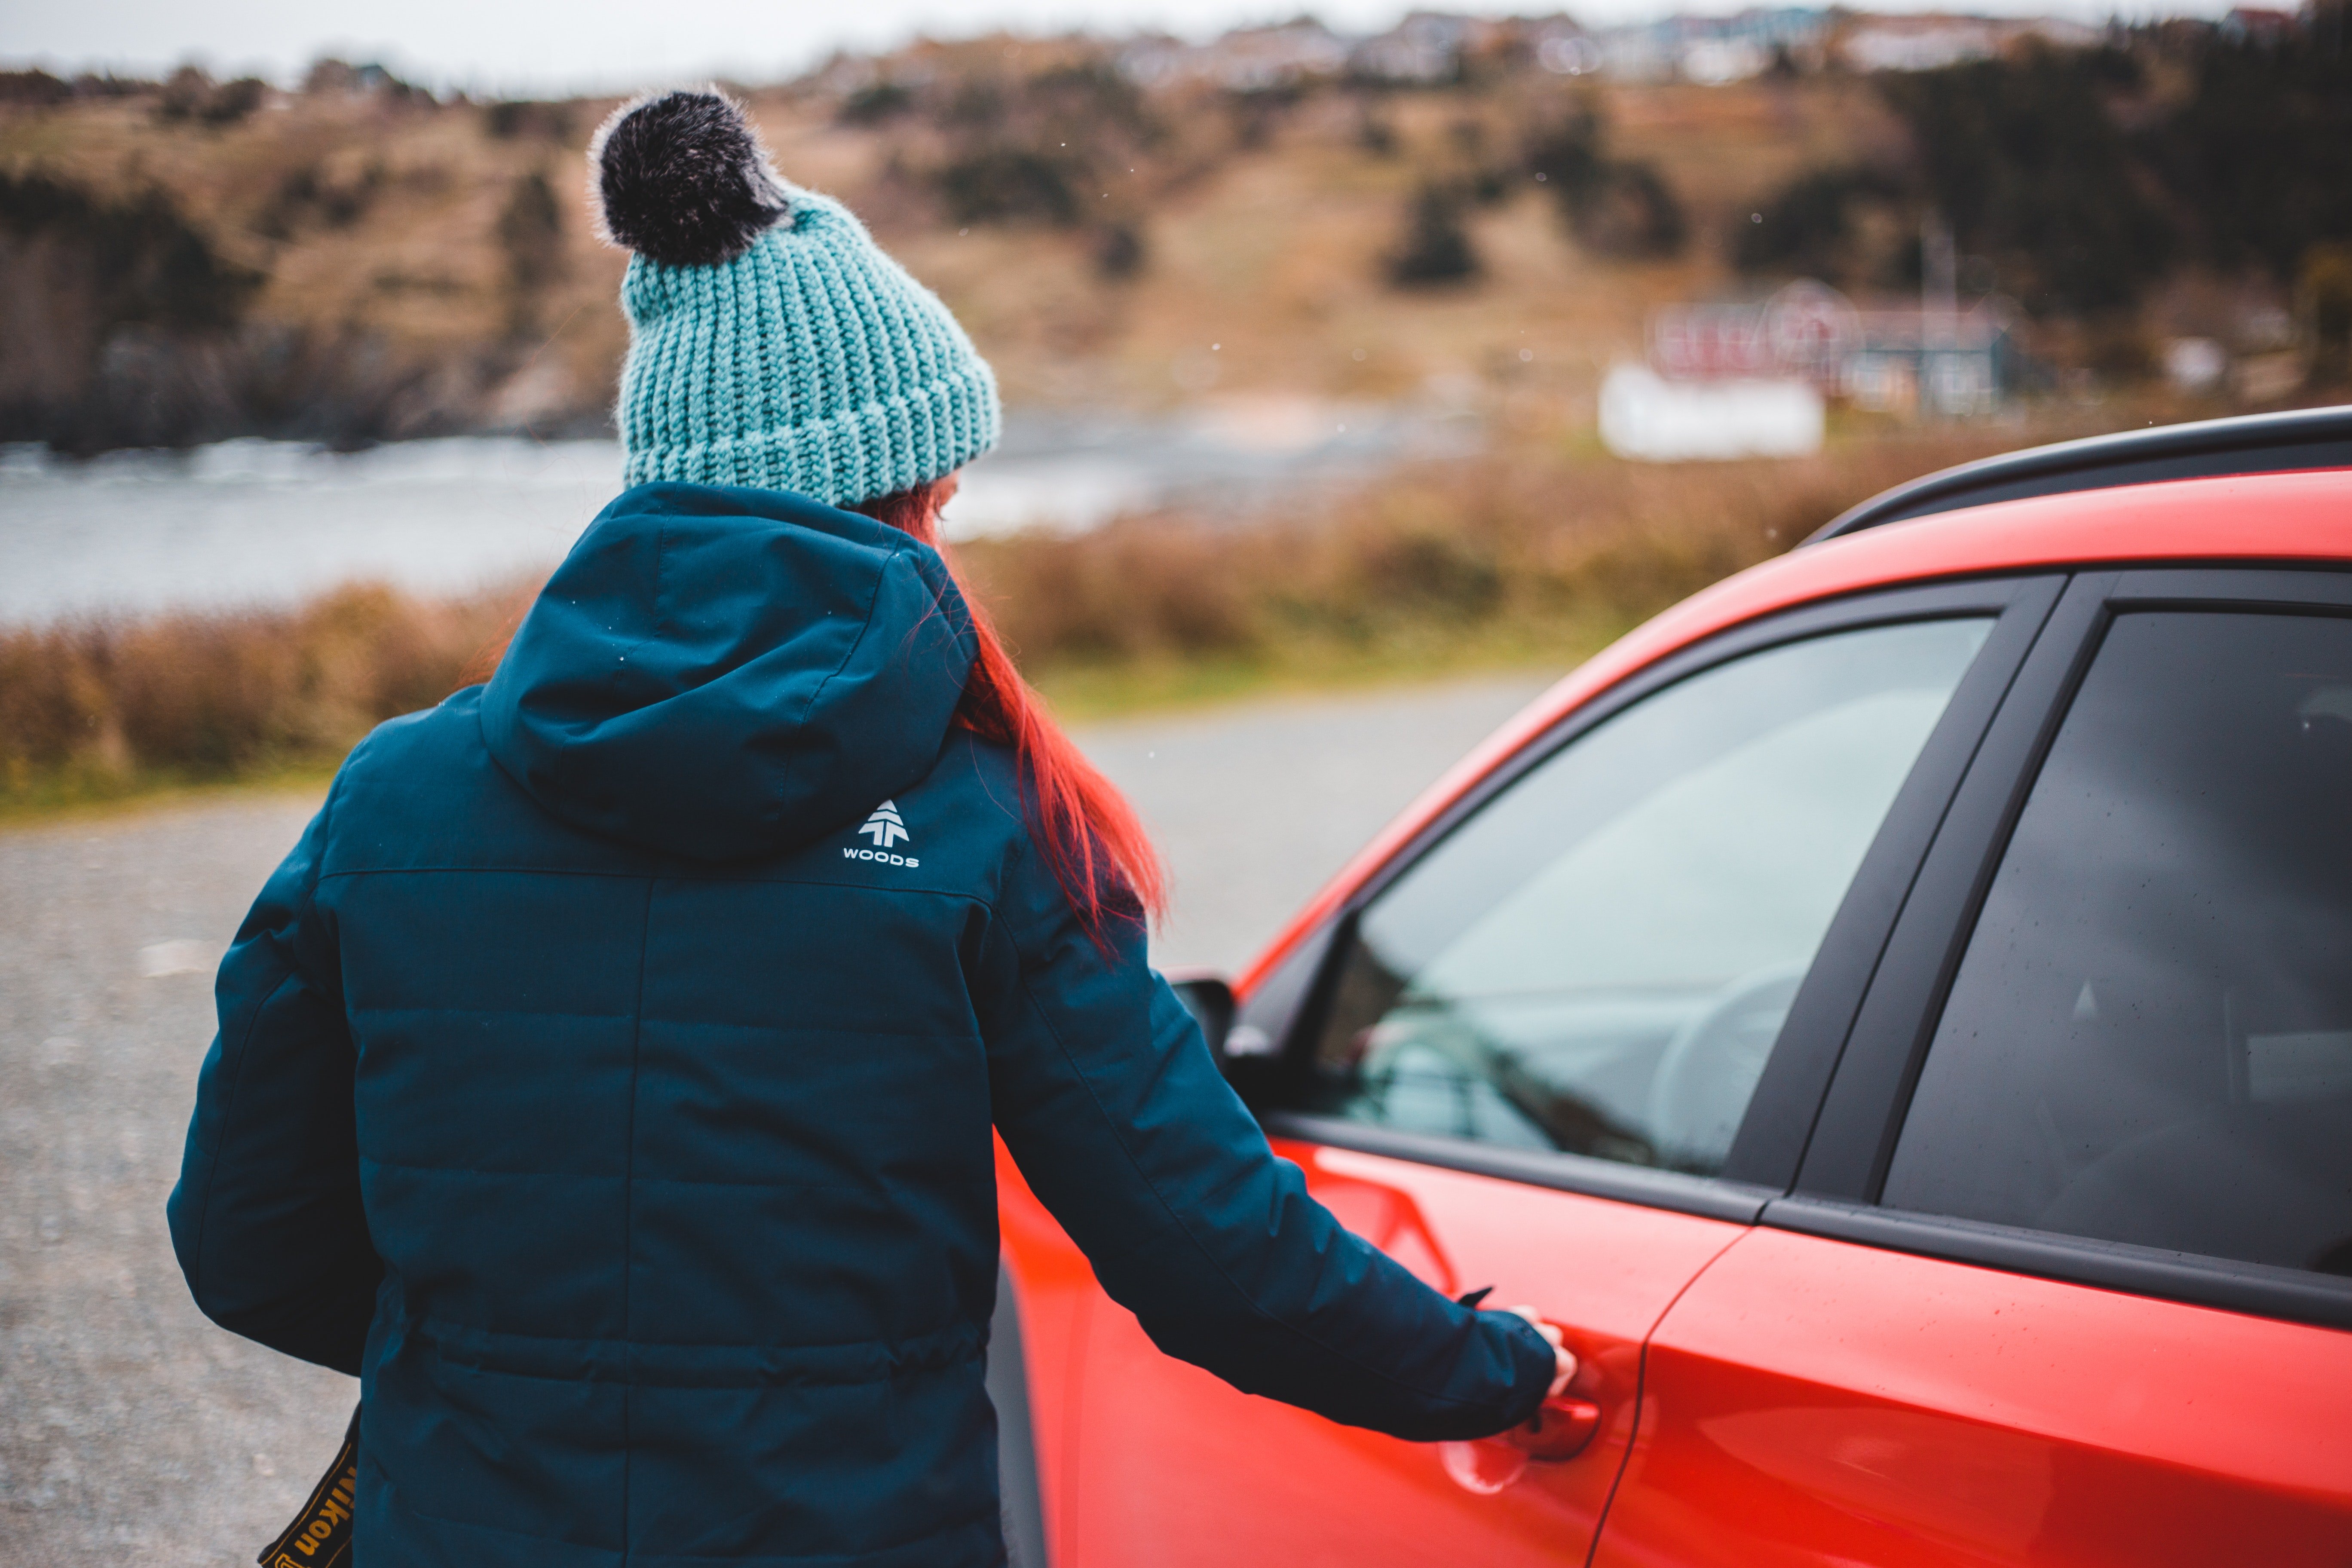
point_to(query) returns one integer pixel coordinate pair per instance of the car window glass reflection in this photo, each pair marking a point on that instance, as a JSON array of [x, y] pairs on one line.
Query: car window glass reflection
[[2149, 1038], [1600, 959]]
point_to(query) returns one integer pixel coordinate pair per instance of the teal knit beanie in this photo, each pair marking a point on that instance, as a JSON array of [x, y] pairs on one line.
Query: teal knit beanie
[[771, 343]]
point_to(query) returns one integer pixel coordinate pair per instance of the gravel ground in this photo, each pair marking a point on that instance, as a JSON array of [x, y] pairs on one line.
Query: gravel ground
[[133, 1432]]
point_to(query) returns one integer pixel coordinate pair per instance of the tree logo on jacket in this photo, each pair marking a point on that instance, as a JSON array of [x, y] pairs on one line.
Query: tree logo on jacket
[[885, 827]]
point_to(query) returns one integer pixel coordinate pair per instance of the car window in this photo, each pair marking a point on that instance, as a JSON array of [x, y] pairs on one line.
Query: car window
[[1600, 959], [2150, 1037]]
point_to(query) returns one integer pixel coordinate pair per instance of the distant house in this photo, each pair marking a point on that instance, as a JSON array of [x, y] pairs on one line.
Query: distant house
[[1924, 42], [1249, 59], [1911, 359], [1430, 47], [2245, 24], [1942, 364], [1563, 46], [1433, 47], [1803, 332], [1919, 44], [1424, 48], [1711, 50]]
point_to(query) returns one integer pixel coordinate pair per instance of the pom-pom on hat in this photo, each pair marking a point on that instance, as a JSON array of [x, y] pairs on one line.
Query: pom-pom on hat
[[771, 343]]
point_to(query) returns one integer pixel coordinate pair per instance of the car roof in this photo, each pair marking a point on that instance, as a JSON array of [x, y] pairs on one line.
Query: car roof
[[2250, 444], [2302, 517]]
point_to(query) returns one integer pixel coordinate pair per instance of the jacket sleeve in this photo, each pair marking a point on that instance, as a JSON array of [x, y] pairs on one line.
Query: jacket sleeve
[[1109, 1101], [266, 1219]]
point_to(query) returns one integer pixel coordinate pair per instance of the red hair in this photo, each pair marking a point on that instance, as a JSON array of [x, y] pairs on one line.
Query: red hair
[[1090, 836]]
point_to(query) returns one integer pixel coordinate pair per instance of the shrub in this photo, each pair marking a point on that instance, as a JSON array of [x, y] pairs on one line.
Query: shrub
[[190, 94], [1430, 572], [1566, 155], [876, 103], [1614, 208], [1435, 248], [531, 237], [1812, 227], [1629, 213], [1008, 183], [1120, 252], [34, 89], [2259, 151], [519, 119], [306, 196], [2024, 161]]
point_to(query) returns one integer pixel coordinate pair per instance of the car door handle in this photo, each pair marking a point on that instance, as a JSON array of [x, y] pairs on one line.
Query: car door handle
[[1562, 1428]]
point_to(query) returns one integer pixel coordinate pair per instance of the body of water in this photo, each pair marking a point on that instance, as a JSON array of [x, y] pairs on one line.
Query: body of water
[[263, 522]]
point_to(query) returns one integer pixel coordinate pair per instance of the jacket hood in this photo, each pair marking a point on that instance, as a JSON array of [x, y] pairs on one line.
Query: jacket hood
[[724, 673]]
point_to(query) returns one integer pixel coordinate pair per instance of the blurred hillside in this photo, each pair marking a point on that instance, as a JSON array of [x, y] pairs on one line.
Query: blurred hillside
[[1488, 210], [1472, 218]]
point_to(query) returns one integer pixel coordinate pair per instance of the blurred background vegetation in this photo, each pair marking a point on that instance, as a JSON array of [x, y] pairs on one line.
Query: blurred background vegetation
[[357, 259]]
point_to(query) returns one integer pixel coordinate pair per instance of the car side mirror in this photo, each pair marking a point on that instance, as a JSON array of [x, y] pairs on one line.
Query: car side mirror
[[1210, 999]]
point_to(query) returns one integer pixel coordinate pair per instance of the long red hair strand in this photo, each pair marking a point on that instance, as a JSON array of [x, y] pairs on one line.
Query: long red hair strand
[[1089, 835]]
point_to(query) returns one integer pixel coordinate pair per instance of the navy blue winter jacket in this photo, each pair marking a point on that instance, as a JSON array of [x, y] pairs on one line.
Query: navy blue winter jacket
[[606, 1079]]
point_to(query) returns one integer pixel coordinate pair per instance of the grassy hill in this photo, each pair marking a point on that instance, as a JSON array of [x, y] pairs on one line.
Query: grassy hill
[[448, 247], [356, 260]]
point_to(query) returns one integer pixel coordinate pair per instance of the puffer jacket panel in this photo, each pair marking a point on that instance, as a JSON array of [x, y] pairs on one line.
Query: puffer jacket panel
[[720, 1199]]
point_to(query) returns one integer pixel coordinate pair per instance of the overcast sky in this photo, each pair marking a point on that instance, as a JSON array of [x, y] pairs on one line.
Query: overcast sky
[[581, 44]]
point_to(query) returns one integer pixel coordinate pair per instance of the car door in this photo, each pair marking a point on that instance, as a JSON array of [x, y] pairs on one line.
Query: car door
[[2067, 1274], [1536, 1056]]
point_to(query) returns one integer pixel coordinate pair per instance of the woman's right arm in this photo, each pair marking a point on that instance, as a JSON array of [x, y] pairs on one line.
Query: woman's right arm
[[1112, 1106]]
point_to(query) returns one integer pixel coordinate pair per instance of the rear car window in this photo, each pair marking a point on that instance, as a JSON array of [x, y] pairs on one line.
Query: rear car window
[[1600, 959], [2149, 1036]]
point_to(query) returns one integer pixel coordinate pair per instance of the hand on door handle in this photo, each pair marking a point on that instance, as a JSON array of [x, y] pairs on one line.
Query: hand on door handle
[[1562, 1427], [1564, 1359]]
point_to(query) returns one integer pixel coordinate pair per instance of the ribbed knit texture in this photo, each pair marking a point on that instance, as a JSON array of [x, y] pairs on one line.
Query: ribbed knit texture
[[811, 362]]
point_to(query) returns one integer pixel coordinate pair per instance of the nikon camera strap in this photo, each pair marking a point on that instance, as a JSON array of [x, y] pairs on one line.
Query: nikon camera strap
[[321, 1535]]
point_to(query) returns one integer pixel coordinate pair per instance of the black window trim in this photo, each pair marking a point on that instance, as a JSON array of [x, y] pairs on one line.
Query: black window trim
[[1713, 1197], [1794, 1080], [2292, 440], [1837, 1187], [2185, 1277]]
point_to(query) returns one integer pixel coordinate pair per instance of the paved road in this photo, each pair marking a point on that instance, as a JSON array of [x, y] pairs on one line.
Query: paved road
[[132, 1432]]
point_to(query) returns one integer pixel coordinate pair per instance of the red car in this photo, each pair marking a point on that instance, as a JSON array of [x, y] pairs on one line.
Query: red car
[[1893, 1011]]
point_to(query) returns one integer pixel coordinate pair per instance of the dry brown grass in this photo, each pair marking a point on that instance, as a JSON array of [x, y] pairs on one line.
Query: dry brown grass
[[1511, 556], [1525, 555], [96, 708]]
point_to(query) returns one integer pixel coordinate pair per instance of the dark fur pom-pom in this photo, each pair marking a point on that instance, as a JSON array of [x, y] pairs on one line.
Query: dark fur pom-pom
[[682, 180]]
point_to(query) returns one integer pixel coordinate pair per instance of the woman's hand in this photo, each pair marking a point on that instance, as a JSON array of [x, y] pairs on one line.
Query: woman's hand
[[1563, 1357]]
